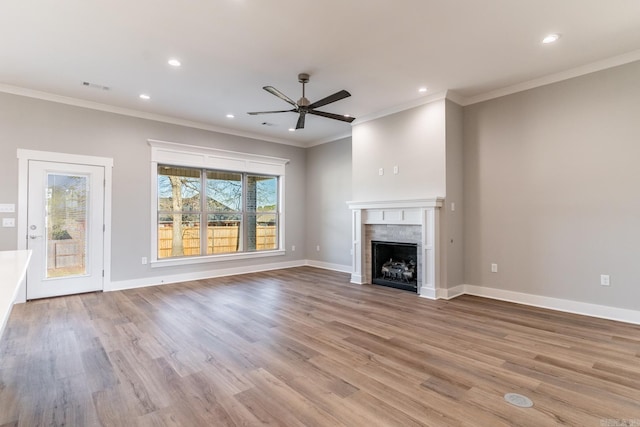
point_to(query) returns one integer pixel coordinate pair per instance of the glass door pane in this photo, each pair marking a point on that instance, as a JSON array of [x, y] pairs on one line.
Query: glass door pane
[[66, 223]]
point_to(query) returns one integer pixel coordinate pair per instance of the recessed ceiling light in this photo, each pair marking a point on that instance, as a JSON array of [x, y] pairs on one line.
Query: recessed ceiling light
[[550, 38], [347, 115], [174, 62], [422, 90], [145, 96], [230, 116], [292, 130]]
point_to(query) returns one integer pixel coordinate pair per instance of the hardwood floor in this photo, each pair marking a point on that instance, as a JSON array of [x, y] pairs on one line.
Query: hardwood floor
[[302, 346]]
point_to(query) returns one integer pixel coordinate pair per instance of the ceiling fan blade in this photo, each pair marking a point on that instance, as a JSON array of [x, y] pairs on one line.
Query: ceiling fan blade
[[272, 90], [253, 113], [332, 116], [331, 98], [300, 124]]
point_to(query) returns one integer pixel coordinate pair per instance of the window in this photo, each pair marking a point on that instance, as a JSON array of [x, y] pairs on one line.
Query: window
[[231, 208], [236, 212]]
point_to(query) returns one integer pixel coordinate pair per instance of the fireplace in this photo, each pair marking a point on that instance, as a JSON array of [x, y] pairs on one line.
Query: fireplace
[[395, 265], [409, 221]]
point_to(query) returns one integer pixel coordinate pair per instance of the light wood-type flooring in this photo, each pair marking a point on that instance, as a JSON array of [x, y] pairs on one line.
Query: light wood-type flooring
[[303, 347]]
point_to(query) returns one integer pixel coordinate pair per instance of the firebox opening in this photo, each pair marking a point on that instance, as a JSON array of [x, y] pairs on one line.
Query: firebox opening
[[395, 265]]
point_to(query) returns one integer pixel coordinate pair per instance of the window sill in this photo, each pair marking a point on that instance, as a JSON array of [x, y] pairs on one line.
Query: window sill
[[214, 258]]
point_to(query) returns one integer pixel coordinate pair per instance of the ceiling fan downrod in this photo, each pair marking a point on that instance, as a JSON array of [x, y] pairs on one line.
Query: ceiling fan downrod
[[304, 79]]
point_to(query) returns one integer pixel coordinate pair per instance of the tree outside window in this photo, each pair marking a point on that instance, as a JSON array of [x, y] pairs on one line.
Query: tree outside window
[[238, 213]]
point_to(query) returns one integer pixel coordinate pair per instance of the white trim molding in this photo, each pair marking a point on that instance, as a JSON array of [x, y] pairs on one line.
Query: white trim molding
[[200, 275], [83, 103], [170, 262], [422, 212], [328, 266], [206, 157], [24, 156], [163, 152], [551, 303], [558, 304]]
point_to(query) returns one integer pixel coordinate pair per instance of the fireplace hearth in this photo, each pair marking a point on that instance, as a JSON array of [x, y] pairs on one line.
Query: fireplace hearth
[[395, 264]]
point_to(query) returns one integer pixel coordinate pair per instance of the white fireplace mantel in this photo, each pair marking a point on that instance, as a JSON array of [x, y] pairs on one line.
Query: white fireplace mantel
[[422, 212]]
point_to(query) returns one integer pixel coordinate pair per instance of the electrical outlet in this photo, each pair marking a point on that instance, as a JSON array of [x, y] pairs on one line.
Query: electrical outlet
[[293, 248], [494, 268], [318, 248], [604, 280], [144, 260]]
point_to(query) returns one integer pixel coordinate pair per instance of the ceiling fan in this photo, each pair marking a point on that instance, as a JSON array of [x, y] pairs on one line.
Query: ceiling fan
[[304, 107]]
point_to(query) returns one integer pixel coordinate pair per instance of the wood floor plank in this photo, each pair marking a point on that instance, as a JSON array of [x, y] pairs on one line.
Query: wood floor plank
[[304, 347]]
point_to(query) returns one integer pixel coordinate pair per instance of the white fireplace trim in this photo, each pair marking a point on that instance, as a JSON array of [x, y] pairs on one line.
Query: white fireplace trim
[[423, 212]]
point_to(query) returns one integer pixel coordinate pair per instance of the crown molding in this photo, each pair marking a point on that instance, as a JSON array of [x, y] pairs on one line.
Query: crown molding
[[446, 94], [582, 70], [401, 107], [46, 96], [330, 139]]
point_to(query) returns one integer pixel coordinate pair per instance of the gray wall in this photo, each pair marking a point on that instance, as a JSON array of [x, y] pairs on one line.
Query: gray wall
[[328, 190], [552, 189], [452, 240], [414, 140], [41, 125]]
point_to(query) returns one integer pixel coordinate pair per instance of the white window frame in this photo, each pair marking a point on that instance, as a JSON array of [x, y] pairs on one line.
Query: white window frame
[[175, 154]]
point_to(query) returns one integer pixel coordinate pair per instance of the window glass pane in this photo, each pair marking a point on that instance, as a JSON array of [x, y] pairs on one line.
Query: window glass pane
[[262, 193], [224, 191], [262, 197], [224, 233], [66, 223], [178, 235], [262, 231], [178, 189]]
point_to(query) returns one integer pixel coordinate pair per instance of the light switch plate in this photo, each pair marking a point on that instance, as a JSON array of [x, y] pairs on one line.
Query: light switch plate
[[7, 207], [8, 222]]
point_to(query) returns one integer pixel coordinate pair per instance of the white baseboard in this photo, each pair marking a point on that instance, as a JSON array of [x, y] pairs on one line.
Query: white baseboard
[[450, 293], [568, 306], [564, 305], [429, 293], [328, 266], [208, 274]]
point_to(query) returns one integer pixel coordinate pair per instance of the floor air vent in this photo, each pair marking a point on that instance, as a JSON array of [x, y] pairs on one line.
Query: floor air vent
[[518, 400]]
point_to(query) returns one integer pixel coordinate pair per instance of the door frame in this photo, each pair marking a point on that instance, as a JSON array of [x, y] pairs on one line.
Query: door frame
[[24, 156]]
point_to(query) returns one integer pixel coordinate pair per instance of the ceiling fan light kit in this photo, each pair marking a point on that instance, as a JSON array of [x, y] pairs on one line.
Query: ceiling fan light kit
[[304, 106]]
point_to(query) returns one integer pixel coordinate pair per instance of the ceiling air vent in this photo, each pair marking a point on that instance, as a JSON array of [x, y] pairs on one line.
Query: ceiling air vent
[[95, 86]]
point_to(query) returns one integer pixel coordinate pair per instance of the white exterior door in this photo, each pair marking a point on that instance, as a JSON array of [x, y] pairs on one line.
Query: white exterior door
[[65, 228]]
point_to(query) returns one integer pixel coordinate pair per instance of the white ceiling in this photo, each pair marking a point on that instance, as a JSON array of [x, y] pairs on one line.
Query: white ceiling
[[381, 51]]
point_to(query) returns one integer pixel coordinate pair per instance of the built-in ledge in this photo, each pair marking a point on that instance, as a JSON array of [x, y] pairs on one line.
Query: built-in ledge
[[415, 212], [13, 268]]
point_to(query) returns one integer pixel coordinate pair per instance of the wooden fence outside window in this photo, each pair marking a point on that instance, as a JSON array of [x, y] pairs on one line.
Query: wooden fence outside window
[[220, 239]]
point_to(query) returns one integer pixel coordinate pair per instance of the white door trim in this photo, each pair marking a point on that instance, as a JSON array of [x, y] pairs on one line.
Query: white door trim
[[24, 156]]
